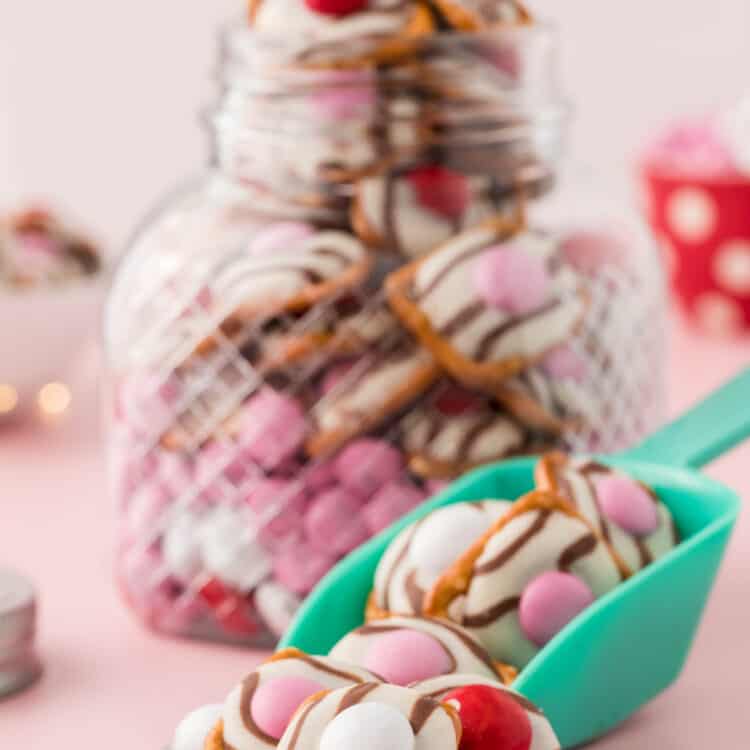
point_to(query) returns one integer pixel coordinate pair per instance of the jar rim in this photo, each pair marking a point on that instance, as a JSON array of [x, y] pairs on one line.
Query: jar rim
[[263, 52], [239, 27]]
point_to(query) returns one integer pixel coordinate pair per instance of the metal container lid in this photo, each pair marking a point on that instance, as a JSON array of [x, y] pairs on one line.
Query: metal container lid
[[19, 665]]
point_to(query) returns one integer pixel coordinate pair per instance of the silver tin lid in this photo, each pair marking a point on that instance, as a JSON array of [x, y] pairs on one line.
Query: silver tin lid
[[19, 665]]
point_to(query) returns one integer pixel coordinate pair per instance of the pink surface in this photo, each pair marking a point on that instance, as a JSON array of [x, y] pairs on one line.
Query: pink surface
[[109, 683]]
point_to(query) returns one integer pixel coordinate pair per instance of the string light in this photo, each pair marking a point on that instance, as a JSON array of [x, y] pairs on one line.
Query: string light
[[8, 398], [54, 399]]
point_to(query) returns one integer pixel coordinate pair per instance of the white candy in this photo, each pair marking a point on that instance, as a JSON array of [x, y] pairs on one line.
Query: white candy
[[444, 537], [192, 731], [181, 547], [368, 726], [276, 605], [231, 553]]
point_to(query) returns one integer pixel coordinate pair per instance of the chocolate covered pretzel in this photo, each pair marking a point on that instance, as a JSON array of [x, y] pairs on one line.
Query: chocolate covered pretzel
[[490, 302], [626, 512], [417, 557], [376, 389], [411, 212], [407, 649], [286, 269], [444, 445], [539, 566], [553, 396], [373, 716], [249, 719]]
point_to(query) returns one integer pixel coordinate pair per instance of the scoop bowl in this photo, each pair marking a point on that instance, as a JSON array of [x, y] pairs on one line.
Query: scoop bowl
[[631, 644]]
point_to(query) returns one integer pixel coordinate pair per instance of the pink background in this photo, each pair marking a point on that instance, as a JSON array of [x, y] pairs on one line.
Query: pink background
[[110, 684], [98, 103]]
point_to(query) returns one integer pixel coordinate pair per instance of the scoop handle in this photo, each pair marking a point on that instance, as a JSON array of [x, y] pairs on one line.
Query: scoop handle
[[709, 429]]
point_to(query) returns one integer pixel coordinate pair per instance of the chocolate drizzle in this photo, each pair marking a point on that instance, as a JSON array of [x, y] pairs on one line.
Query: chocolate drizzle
[[390, 231], [488, 341], [644, 553], [491, 614], [472, 645], [473, 434], [466, 256], [587, 471], [512, 549], [576, 551], [323, 667], [421, 711], [414, 592], [355, 695], [384, 595], [249, 686], [301, 721], [465, 316]]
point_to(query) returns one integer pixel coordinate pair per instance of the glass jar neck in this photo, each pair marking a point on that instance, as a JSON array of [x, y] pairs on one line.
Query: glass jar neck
[[486, 103]]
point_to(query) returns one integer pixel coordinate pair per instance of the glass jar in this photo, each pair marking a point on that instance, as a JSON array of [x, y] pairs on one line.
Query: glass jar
[[269, 409]]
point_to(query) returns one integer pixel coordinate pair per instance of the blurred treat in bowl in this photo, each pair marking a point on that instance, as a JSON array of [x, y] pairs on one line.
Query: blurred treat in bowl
[[51, 284], [697, 178]]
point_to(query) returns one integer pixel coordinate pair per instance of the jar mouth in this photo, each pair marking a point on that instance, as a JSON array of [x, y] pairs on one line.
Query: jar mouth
[[481, 103], [239, 32], [457, 77], [526, 54]]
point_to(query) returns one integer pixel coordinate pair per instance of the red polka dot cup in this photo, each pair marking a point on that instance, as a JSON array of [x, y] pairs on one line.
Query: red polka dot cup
[[703, 227]]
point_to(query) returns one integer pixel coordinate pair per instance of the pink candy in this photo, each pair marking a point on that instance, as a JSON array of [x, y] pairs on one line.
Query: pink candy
[[550, 602], [221, 459], [279, 505], [300, 566], [334, 522], [366, 464], [389, 504], [321, 476], [512, 279], [274, 702], [628, 504], [562, 363], [281, 236], [406, 656], [347, 97], [272, 428]]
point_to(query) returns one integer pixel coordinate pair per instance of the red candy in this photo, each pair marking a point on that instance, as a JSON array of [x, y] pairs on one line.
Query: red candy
[[236, 617], [214, 592], [336, 7], [441, 190], [491, 719], [454, 400]]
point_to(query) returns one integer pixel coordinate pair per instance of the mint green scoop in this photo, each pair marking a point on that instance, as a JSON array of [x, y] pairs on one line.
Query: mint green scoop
[[632, 643]]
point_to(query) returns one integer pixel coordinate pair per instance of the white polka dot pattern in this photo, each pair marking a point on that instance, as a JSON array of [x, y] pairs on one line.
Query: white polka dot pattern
[[718, 314], [731, 267], [691, 214]]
